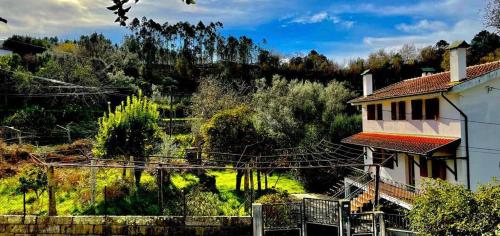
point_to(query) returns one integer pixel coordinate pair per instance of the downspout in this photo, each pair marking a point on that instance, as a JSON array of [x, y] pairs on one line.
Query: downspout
[[466, 121]]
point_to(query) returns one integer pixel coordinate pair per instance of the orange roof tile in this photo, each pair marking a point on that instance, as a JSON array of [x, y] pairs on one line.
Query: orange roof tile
[[422, 145], [439, 82]]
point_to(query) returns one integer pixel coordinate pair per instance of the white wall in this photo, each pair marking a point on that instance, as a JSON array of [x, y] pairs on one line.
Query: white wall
[[479, 105]]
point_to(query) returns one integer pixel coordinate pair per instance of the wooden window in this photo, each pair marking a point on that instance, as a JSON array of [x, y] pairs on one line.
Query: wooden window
[[381, 156], [371, 111], [394, 110], [402, 110], [439, 169], [380, 112], [432, 109], [416, 109], [423, 167]]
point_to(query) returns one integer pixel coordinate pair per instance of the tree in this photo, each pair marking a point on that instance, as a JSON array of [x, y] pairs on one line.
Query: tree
[[33, 179], [450, 209], [231, 131], [131, 131], [492, 14], [482, 44]]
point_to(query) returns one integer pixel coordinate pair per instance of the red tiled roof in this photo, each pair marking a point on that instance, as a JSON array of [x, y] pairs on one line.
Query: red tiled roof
[[422, 145], [439, 82]]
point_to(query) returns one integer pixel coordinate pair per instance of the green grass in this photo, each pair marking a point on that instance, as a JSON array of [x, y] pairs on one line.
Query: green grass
[[73, 191]]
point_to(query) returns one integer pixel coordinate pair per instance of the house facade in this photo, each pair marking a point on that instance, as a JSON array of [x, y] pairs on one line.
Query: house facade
[[444, 125]]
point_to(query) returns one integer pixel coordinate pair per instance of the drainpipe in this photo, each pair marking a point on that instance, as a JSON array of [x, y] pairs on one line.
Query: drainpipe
[[466, 136]]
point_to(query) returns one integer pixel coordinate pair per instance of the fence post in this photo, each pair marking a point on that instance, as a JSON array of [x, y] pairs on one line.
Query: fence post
[[380, 216], [93, 181], [52, 191], [344, 213], [257, 218]]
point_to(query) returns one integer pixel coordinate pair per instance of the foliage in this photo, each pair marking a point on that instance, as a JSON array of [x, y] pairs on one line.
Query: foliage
[[131, 130], [294, 113], [33, 118], [200, 203], [230, 130], [33, 179], [277, 197], [448, 209]]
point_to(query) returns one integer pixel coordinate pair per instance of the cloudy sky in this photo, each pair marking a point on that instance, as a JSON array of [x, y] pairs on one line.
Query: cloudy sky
[[338, 29]]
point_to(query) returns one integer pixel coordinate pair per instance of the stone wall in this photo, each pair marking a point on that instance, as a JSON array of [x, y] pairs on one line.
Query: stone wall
[[125, 225]]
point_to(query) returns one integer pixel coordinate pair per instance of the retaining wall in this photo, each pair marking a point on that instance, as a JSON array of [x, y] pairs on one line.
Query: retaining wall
[[125, 225]]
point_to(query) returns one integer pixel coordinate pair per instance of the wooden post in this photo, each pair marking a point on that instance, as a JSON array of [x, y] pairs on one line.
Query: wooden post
[[52, 191], [259, 185], [246, 188], [251, 185], [93, 182]]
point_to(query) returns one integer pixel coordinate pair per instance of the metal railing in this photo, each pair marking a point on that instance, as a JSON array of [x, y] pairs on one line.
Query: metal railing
[[321, 211], [396, 221]]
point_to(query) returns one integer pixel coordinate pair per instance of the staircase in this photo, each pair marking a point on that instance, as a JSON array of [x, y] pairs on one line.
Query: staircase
[[397, 193]]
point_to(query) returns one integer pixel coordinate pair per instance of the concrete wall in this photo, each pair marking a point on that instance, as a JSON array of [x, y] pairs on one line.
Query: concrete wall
[[124, 225]]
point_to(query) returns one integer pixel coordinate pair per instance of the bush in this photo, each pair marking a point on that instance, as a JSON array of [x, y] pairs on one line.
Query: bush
[[200, 203], [33, 119], [277, 197], [449, 209]]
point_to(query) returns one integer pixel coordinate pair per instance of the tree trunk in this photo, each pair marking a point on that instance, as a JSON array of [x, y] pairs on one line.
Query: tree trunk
[[259, 185], [265, 181], [239, 175]]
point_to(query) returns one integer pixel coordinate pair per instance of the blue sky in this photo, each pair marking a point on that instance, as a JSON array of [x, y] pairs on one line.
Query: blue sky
[[339, 29]]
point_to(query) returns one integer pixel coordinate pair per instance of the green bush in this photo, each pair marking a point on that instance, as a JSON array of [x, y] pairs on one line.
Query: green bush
[[449, 209], [33, 118]]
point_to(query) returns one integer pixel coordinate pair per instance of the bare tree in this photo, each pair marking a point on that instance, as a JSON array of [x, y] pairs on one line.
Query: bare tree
[[492, 14]]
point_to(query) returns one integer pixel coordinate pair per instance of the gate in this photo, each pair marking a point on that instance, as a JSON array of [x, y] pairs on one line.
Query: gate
[[282, 218], [362, 223], [321, 217]]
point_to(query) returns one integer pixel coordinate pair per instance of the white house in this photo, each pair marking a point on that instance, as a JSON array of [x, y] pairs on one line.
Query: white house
[[444, 125]]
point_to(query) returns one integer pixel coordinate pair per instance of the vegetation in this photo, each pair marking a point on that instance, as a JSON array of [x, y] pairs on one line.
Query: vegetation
[[131, 130], [449, 209]]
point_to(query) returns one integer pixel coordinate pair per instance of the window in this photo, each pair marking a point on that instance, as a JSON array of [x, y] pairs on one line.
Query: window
[[371, 111], [382, 156], [439, 169], [379, 112], [423, 167], [416, 109], [398, 110], [432, 109], [394, 110], [402, 110]]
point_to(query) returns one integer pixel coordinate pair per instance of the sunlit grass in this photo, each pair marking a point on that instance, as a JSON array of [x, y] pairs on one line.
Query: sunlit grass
[[73, 190]]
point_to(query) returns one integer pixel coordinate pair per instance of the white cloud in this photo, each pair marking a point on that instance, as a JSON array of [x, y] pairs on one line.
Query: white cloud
[[462, 30], [422, 26], [321, 17], [63, 17]]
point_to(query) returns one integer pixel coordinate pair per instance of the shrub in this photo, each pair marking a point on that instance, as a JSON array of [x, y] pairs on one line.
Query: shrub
[[200, 203], [33, 118]]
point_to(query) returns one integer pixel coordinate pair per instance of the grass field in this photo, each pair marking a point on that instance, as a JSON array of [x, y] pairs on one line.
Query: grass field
[[73, 192]]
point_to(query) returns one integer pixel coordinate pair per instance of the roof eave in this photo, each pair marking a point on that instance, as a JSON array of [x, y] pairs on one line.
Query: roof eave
[[471, 83], [354, 102]]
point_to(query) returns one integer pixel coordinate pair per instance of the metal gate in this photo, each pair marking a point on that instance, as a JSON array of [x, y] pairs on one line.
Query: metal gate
[[309, 217], [282, 218], [321, 217], [362, 223]]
